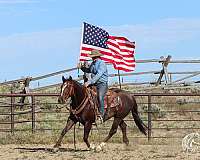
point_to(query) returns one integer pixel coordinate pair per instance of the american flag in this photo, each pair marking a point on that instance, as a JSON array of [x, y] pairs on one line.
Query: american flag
[[116, 50]]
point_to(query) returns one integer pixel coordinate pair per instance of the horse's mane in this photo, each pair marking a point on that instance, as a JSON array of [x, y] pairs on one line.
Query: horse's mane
[[78, 83]]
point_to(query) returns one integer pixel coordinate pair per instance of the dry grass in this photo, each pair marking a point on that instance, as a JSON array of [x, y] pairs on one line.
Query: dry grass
[[161, 104]]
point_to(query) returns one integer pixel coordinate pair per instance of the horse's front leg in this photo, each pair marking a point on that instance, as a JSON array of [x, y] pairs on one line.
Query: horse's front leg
[[87, 128], [68, 126]]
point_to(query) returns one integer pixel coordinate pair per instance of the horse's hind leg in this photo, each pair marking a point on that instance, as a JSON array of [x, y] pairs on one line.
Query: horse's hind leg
[[68, 126], [123, 128], [113, 130]]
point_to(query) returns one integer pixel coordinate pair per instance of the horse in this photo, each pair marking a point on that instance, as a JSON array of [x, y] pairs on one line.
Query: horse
[[82, 110]]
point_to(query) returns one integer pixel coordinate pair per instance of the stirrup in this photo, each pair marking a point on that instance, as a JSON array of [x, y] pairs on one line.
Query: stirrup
[[100, 118]]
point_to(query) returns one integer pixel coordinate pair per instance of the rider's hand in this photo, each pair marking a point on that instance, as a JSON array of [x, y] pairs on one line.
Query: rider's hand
[[79, 65], [86, 84]]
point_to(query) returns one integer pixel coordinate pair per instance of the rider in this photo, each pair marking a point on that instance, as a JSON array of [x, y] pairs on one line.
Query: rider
[[99, 76]]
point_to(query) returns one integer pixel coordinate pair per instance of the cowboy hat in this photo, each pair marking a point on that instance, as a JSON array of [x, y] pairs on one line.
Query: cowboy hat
[[95, 53]]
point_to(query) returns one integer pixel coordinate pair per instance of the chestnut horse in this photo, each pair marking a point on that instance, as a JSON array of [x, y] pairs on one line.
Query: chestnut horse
[[83, 111]]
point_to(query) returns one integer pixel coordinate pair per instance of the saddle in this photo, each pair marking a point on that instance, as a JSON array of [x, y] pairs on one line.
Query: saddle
[[111, 99]]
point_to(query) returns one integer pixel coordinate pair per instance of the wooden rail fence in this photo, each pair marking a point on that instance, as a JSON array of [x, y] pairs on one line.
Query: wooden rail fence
[[150, 96], [163, 72]]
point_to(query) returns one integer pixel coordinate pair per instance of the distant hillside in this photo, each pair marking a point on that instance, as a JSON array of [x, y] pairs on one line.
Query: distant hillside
[[163, 89], [132, 88]]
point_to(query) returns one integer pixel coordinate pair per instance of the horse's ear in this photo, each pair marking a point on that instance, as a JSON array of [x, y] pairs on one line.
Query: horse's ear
[[63, 79], [70, 78]]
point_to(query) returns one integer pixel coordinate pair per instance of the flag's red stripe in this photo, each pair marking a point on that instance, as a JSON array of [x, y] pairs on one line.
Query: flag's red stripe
[[84, 55], [122, 50], [86, 48], [115, 56], [123, 39], [126, 45], [114, 52], [120, 68], [119, 38], [126, 42], [121, 56], [110, 60], [123, 44], [116, 46], [129, 48], [106, 53]]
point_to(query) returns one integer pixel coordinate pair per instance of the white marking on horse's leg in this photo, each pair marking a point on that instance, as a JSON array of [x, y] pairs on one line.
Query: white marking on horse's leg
[[92, 146], [100, 147], [55, 149], [102, 144]]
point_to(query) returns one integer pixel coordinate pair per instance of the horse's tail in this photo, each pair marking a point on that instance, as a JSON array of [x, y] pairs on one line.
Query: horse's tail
[[142, 127]]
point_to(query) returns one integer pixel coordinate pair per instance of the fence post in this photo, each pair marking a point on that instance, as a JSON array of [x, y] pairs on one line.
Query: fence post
[[170, 78], [33, 113], [165, 62], [149, 117], [119, 78], [24, 91], [12, 113]]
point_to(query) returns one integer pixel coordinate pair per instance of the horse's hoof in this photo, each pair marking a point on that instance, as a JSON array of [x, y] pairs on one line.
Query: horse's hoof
[[57, 145], [92, 147], [55, 149], [102, 144], [100, 147]]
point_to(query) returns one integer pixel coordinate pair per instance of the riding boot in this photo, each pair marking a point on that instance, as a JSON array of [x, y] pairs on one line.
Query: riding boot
[[100, 118]]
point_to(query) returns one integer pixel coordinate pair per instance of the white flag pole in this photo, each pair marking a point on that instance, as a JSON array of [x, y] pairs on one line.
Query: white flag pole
[[82, 30]]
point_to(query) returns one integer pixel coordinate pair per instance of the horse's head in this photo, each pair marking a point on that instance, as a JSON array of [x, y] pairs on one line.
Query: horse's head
[[67, 89]]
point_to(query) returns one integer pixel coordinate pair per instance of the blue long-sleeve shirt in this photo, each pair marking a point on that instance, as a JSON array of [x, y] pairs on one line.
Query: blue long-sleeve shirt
[[99, 72]]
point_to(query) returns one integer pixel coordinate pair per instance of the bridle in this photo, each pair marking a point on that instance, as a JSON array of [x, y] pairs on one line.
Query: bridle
[[71, 93]]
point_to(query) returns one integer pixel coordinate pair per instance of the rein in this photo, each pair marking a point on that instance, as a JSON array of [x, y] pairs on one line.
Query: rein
[[80, 107], [87, 98], [83, 103]]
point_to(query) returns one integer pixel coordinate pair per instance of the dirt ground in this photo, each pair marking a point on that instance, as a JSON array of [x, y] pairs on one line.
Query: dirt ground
[[112, 151]]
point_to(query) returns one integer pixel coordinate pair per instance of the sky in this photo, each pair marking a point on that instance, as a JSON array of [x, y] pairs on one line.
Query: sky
[[43, 36]]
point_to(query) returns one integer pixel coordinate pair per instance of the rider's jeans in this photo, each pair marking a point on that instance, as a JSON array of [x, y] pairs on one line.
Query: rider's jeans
[[101, 92]]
